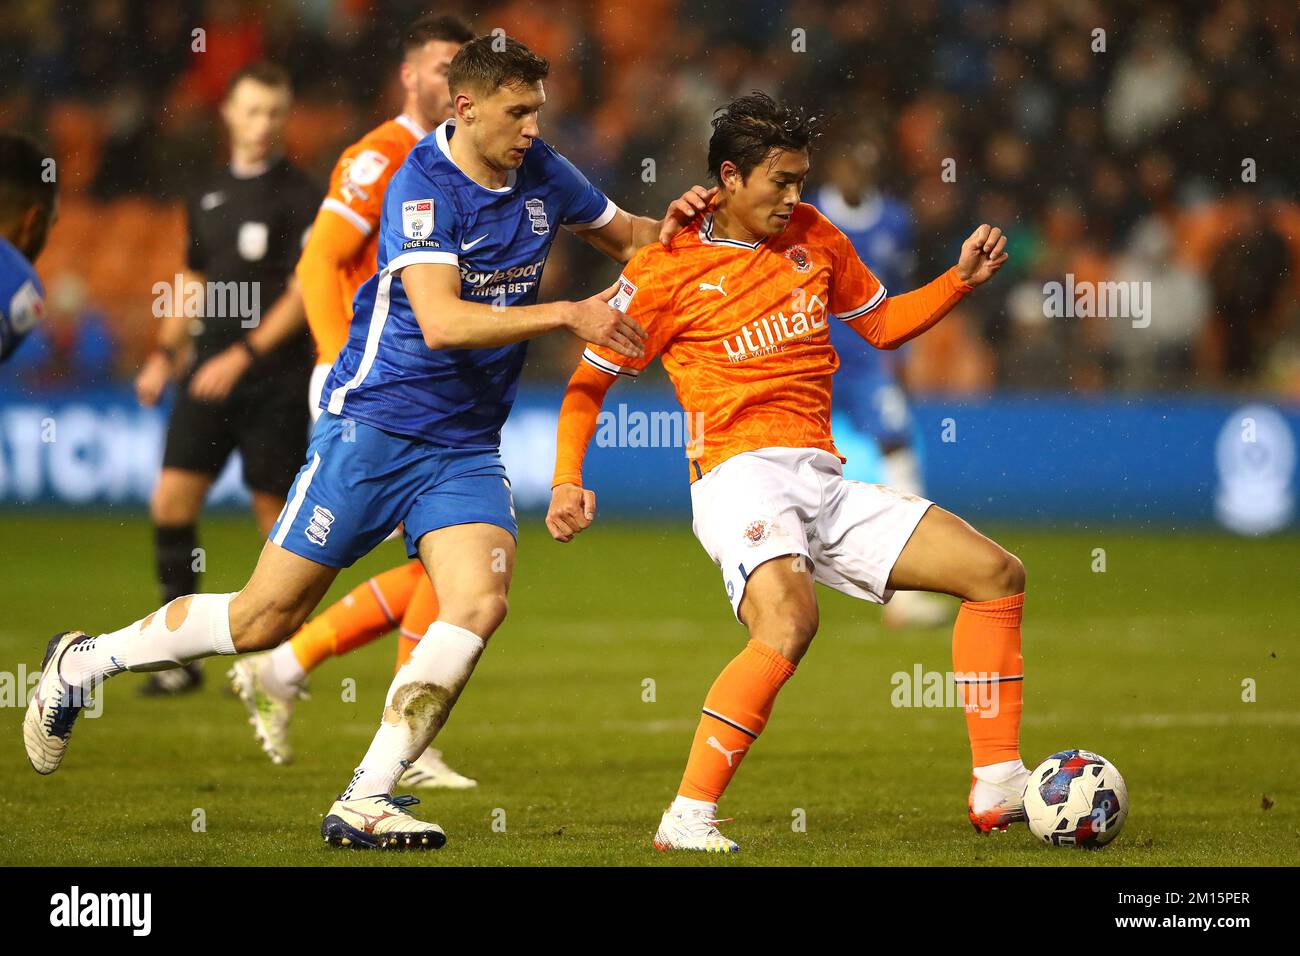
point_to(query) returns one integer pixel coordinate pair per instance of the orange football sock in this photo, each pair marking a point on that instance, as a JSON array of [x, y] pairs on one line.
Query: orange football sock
[[990, 675], [369, 610], [735, 713], [420, 613]]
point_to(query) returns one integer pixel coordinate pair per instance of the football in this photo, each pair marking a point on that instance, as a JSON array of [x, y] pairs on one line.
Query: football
[[1076, 798]]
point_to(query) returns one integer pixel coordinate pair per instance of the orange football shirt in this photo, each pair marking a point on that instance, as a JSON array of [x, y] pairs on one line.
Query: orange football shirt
[[743, 331], [356, 192]]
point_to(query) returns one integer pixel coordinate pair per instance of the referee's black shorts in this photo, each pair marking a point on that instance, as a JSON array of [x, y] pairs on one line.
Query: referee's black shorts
[[268, 422]]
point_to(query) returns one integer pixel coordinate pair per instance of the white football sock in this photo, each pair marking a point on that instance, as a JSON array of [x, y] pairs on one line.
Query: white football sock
[[205, 631], [903, 471], [999, 772], [283, 672], [691, 804], [423, 692]]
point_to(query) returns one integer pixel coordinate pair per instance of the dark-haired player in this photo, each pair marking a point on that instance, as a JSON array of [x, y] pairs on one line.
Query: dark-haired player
[[338, 258], [410, 430], [740, 309], [28, 202], [241, 374]]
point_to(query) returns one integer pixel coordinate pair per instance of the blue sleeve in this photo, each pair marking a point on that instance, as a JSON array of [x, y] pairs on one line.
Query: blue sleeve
[[419, 223], [582, 205], [22, 305]]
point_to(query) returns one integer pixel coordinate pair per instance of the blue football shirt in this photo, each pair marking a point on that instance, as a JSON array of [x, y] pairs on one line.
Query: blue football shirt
[[499, 240], [22, 298]]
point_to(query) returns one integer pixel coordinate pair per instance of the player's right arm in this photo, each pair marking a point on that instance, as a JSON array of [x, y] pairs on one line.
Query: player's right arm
[[449, 322], [421, 235], [641, 295], [573, 507]]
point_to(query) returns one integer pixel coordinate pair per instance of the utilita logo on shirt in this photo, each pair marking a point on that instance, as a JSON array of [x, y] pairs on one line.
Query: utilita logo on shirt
[[772, 334]]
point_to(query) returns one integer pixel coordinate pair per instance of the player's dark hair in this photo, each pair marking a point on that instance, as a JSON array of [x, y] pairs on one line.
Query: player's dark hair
[[430, 27], [748, 128], [481, 66], [26, 178], [267, 74]]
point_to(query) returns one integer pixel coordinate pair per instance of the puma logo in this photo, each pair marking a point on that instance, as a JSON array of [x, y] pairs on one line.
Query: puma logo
[[729, 754], [706, 286]]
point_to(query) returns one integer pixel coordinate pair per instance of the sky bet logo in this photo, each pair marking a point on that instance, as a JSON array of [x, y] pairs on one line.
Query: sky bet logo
[[74, 909]]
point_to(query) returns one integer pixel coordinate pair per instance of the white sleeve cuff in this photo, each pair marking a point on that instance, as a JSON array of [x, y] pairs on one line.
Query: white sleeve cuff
[[862, 310], [351, 215], [605, 365], [602, 220], [416, 256]]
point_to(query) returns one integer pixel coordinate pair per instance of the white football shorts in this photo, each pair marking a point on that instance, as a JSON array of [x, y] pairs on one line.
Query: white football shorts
[[774, 502]]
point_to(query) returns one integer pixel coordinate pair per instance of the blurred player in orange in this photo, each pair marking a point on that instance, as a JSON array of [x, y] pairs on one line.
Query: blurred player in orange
[[339, 256], [738, 308]]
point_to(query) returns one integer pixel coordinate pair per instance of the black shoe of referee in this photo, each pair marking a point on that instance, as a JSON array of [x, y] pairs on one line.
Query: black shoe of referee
[[172, 683]]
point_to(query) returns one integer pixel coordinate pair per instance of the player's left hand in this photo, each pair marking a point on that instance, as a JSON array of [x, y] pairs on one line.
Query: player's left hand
[[982, 255], [214, 379], [681, 211]]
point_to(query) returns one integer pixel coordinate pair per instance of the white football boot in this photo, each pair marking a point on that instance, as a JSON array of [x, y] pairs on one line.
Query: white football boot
[[54, 707], [993, 805], [268, 702], [381, 822], [430, 772], [692, 828]]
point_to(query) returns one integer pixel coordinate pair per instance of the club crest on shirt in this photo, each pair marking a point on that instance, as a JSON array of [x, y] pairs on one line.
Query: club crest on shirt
[[366, 168], [799, 256], [417, 218], [537, 213], [757, 532]]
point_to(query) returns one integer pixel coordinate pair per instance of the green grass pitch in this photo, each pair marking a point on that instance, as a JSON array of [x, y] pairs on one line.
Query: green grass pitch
[[1144, 663]]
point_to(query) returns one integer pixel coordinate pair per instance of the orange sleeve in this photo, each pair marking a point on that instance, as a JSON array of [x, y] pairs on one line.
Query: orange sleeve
[[643, 295], [579, 412], [332, 242], [902, 317], [347, 219]]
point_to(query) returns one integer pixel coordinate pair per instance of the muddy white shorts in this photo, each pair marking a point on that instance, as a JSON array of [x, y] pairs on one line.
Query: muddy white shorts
[[772, 502]]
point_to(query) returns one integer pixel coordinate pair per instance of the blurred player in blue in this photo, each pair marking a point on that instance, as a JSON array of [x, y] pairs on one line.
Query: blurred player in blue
[[27, 209], [872, 422], [409, 435]]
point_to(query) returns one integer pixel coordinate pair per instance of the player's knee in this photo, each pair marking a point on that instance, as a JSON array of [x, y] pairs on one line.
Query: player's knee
[[482, 614], [1001, 574], [168, 510], [493, 610], [787, 625], [263, 627]]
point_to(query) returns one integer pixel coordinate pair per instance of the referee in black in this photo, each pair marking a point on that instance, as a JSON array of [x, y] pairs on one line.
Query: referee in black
[[234, 337]]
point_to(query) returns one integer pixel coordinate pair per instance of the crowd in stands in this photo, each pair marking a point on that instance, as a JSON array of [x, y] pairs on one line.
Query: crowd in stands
[[1127, 141]]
